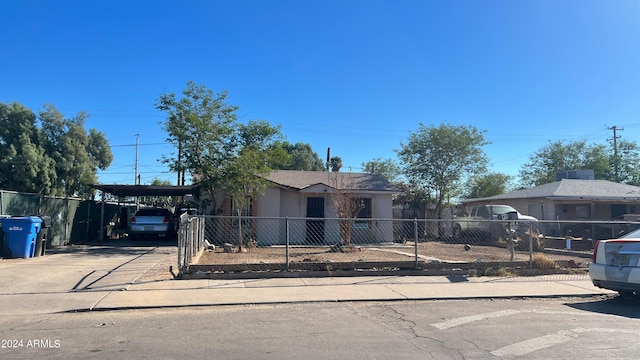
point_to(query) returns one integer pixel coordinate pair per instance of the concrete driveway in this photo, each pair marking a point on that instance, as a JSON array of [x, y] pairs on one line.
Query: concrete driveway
[[47, 281]]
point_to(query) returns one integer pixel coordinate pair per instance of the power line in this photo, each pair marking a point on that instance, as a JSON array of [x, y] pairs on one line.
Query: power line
[[148, 144]]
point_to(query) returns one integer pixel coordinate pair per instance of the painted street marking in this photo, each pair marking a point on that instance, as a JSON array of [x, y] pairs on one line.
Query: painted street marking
[[531, 345], [468, 319], [606, 331], [562, 336]]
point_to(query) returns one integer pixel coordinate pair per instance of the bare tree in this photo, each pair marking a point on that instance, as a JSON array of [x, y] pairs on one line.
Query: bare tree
[[347, 204]]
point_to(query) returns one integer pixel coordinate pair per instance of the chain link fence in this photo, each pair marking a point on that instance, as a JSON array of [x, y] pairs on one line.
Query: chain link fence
[[220, 244]]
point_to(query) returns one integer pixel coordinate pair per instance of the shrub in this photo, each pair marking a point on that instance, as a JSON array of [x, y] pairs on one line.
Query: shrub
[[541, 261], [503, 272]]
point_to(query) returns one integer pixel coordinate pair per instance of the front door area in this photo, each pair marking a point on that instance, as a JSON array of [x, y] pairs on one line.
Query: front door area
[[315, 228]]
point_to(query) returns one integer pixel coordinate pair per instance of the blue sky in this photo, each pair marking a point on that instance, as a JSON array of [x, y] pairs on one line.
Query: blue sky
[[357, 76]]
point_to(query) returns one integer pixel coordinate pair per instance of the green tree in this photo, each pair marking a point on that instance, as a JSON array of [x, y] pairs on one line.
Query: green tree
[[221, 154], [438, 158], [245, 174], [388, 168], [77, 154], [335, 163], [416, 197], [562, 156], [162, 201], [626, 163], [59, 158], [485, 185], [299, 156], [202, 126], [24, 165]]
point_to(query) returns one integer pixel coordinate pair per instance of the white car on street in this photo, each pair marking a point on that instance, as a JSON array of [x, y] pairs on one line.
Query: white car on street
[[616, 264]]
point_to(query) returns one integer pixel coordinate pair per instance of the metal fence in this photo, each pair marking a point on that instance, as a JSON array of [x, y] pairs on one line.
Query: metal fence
[[63, 211], [217, 244], [191, 240], [73, 220]]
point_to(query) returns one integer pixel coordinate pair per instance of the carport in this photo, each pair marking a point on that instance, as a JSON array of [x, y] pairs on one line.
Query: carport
[[139, 190]]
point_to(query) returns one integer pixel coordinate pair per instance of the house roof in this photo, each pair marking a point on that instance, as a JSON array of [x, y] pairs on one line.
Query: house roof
[[573, 189], [342, 180]]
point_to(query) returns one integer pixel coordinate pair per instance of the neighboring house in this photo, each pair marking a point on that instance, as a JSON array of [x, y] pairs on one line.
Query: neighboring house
[[572, 199], [307, 194]]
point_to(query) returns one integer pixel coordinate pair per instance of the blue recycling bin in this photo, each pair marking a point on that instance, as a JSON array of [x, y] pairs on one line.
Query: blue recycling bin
[[20, 235]]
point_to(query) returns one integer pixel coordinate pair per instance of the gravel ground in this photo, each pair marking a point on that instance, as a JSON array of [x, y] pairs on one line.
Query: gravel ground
[[427, 251]]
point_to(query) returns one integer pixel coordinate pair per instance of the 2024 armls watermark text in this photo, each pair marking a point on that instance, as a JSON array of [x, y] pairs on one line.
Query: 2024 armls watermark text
[[30, 344]]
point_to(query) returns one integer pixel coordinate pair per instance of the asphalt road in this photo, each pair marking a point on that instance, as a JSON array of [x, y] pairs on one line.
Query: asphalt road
[[567, 328]]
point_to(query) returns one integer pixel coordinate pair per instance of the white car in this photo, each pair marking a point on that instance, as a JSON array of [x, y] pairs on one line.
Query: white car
[[616, 264], [152, 222]]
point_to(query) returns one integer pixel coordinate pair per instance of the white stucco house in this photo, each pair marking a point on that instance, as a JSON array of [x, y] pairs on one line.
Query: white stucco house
[[304, 196]]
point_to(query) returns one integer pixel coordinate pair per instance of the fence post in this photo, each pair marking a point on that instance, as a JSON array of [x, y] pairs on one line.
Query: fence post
[[181, 241], [286, 249], [415, 241], [531, 245]]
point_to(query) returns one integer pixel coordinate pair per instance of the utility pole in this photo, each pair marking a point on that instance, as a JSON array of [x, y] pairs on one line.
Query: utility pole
[[136, 180], [616, 159], [180, 163]]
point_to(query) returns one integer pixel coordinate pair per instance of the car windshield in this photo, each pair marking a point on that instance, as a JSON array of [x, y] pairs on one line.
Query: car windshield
[[501, 209]]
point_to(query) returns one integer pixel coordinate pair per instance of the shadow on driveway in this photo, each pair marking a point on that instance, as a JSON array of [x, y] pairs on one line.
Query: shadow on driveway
[[112, 248]]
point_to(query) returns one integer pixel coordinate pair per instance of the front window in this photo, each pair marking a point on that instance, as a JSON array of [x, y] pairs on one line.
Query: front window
[[583, 212], [365, 213]]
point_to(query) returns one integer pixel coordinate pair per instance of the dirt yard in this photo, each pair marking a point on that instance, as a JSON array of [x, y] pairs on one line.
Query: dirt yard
[[428, 252]]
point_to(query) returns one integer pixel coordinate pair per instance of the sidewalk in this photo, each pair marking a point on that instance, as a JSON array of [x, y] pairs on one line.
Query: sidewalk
[[133, 277], [370, 288]]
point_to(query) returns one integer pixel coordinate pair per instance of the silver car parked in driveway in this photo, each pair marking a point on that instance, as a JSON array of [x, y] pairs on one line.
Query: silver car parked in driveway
[[616, 264], [152, 222]]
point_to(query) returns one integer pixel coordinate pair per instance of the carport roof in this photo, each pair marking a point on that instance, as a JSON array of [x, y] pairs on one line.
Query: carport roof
[[145, 190]]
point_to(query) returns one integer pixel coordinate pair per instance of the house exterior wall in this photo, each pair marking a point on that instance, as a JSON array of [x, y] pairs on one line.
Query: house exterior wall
[[383, 209], [268, 231], [278, 203], [382, 206], [291, 204], [268, 204], [546, 209]]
